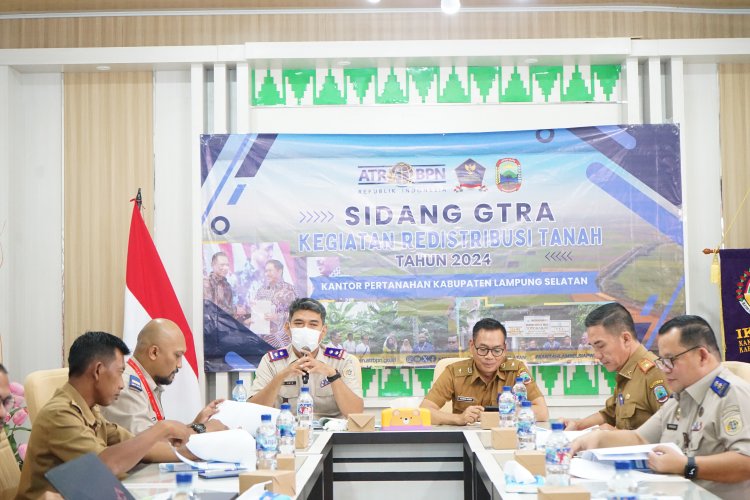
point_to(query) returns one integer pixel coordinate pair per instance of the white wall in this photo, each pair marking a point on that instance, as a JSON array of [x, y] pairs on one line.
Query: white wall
[[32, 300]]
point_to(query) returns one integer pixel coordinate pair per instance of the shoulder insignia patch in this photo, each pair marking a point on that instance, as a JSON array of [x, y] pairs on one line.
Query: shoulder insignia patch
[[278, 354], [508, 365], [645, 365], [732, 424], [135, 383], [656, 382], [334, 352], [526, 377], [324, 382], [661, 393], [720, 386]]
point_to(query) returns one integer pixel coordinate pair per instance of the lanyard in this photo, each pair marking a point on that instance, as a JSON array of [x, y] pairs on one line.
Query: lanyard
[[147, 388]]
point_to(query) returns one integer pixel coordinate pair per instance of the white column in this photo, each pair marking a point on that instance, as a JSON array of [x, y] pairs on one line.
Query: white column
[[220, 99], [243, 98], [633, 92], [655, 114]]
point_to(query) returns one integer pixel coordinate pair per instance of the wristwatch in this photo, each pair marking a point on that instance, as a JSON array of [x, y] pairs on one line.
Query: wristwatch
[[334, 377], [691, 469], [198, 428]]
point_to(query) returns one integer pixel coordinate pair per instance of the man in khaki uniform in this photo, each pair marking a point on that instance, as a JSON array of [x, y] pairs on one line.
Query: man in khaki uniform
[[154, 364], [640, 389], [474, 383], [704, 418], [330, 372], [70, 424]]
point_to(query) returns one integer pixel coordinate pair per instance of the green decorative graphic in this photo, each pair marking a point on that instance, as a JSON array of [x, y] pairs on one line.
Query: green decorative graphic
[[581, 382], [425, 376], [396, 385], [548, 375], [462, 84]]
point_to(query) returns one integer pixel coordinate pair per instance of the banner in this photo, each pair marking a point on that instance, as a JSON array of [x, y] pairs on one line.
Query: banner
[[735, 303], [410, 239]]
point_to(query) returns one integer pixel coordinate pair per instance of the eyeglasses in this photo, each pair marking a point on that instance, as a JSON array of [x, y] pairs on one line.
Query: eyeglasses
[[9, 402], [496, 351], [668, 363]]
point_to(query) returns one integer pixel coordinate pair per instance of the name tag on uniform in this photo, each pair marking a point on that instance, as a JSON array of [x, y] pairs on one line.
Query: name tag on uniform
[[464, 398], [672, 427], [290, 382]]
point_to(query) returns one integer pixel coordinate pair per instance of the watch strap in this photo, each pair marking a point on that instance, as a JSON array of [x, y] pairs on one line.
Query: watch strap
[[198, 428], [334, 377], [691, 469]]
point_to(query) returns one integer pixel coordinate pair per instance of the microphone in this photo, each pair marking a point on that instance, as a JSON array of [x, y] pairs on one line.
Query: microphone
[[305, 376]]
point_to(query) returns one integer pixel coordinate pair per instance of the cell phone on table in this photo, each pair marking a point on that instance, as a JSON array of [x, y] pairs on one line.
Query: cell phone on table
[[216, 474]]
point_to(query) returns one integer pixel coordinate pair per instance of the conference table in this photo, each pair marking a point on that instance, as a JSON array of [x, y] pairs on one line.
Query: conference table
[[443, 463]]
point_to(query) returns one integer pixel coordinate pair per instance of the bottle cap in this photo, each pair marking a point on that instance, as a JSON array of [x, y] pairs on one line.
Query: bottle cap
[[519, 380], [240, 382], [265, 417], [558, 426], [184, 478], [305, 389], [526, 404], [285, 406], [622, 465], [506, 388]]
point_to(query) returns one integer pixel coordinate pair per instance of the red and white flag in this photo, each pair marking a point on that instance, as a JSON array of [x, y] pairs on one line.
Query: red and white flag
[[148, 295]]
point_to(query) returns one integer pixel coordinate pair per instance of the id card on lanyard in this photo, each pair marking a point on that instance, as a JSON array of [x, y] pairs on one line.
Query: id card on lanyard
[[147, 388]]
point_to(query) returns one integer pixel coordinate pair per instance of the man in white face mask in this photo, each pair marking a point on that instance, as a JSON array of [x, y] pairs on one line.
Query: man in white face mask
[[329, 372]]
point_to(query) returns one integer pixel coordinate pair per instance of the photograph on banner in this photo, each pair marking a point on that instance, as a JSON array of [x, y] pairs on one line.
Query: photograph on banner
[[408, 240]]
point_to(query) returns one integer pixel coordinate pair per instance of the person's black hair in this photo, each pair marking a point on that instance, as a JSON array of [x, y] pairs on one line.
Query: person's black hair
[[694, 331], [277, 264], [217, 255], [91, 347], [488, 324], [3, 369], [307, 304], [613, 317]]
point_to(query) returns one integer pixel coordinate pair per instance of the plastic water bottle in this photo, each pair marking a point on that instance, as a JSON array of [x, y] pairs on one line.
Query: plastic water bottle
[[557, 457], [525, 430], [285, 430], [622, 486], [184, 488], [266, 445], [239, 393], [506, 405], [305, 408], [519, 391]]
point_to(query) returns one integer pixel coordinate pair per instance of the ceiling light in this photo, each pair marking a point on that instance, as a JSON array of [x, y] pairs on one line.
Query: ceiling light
[[450, 6], [374, 1]]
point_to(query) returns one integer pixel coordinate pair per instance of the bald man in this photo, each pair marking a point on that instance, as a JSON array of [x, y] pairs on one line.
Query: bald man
[[155, 362]]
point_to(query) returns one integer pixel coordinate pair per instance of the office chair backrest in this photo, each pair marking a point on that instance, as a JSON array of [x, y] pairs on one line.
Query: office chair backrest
[[40, 386], [440, 368]]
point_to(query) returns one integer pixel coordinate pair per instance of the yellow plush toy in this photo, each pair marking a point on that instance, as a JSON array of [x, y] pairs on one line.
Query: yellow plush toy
[[405, 419]]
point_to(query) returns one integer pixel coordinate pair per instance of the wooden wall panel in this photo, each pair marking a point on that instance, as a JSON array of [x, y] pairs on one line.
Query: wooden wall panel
[[734, 106], [236, 29], [108, 124]]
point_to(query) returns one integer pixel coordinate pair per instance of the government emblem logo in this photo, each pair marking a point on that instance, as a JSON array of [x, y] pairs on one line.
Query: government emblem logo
[[742, 292], [508, 175], [400, 173], [470, 175]]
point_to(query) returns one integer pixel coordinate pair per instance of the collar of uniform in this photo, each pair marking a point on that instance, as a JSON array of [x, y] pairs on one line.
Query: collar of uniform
[[499, 374], [77, 401], [632, 363], [155, 388], [698, 390]]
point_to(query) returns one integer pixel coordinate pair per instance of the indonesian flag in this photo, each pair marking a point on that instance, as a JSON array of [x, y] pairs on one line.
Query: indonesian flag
[[148, 295]]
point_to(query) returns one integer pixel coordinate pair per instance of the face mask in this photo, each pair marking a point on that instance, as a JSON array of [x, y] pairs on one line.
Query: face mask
[[305, 339]]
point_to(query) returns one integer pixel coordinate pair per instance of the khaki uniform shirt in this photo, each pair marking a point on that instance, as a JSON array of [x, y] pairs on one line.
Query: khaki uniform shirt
[[702, 421], [132, 409], [639, 392], [461, 383], [65, 428], [324, 403]]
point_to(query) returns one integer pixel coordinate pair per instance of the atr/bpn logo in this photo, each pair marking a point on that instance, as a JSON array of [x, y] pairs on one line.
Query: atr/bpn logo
[[401, 174], [508, 175]]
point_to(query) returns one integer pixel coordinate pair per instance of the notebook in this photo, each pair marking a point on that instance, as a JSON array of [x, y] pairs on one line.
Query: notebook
[[87, 478]]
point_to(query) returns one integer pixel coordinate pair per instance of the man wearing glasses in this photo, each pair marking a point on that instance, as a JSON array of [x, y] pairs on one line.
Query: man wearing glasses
[[704, 418], [474, 383], [640, 389]]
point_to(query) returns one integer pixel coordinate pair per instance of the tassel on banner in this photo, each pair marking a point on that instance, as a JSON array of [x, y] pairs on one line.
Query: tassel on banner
[[715, 268]]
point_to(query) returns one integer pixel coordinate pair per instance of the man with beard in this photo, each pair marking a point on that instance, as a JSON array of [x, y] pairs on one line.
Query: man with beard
[[154, 364]]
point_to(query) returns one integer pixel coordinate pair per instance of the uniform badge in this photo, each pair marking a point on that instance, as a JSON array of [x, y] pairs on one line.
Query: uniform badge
[[732, 424], [324, 382], [720, 386], [620, 399], [697, 426], [466, 399], [661, 393], [135, 383], [278, 354], [525, 376], [672, 427], [334, 352], [645, 365]]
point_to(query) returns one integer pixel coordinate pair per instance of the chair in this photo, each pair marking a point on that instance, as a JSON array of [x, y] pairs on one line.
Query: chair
[[739, 368], [440, 368], [9, 471], [40, 386]]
